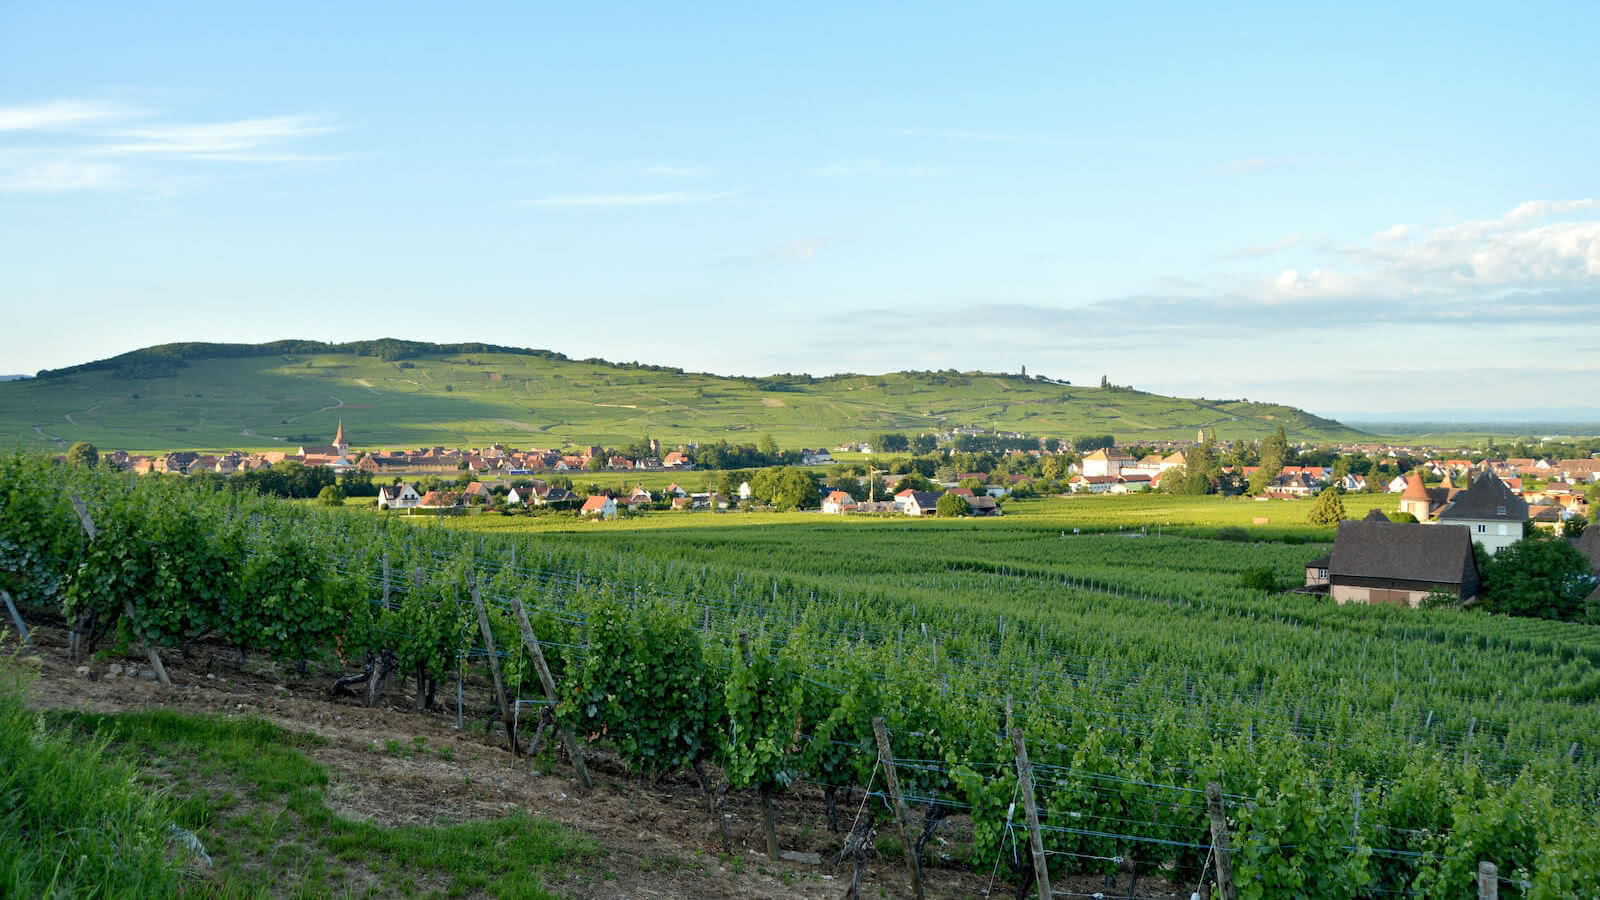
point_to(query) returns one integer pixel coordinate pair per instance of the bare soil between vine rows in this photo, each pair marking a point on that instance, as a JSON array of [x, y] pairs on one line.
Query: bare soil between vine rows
[[657, 838]]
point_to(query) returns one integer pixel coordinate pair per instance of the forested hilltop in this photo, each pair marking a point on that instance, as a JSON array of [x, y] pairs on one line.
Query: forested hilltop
[[398, 393]]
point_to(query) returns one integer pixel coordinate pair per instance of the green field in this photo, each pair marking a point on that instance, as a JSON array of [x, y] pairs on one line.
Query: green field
[[1365, 750], [271, 400], [1128, 512]]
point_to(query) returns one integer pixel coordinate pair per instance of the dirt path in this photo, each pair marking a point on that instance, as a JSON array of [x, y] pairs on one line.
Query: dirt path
[[49, 437], [658, 839], [337, 404], [91, 409]]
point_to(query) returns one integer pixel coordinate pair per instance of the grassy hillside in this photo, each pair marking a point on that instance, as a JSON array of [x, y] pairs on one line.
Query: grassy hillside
[[392, 394]]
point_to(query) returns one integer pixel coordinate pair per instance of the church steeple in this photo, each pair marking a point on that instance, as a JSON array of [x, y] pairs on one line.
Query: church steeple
[[338, 438]]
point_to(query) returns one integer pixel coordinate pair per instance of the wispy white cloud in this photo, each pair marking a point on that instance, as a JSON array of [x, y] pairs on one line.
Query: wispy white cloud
[[873, 167], [52, 176], [95, 146], [657, 198], [59, 114], [239, 139], [1464, 290], [1394, 233], [1281, 244], [1534, 210], [1479, 256], [958, 134]]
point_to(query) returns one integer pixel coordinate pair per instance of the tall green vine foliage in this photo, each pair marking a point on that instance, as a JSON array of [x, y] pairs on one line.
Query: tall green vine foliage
[[1366, 753]]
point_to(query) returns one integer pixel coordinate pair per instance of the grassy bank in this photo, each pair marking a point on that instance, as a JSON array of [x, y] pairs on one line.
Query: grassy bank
[[75, 821], [91, 804]]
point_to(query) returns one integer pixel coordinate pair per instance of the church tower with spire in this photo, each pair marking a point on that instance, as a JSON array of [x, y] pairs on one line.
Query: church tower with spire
[[339, 441]]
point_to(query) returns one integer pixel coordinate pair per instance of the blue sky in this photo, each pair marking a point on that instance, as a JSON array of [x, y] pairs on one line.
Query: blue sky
[[1359, 211]]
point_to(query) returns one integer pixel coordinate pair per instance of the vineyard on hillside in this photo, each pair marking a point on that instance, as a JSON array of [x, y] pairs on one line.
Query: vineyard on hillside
[[1364, 752]]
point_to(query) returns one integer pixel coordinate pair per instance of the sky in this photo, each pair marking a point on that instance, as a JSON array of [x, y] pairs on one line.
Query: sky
[[1371, 209]]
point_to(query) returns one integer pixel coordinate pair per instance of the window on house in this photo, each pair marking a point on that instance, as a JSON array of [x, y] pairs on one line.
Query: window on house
[[1503, 529], [1483, 529], [1499, 510]]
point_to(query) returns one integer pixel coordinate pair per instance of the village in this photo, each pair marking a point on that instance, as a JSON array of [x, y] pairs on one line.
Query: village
[[1555, 490], [1452, 511]]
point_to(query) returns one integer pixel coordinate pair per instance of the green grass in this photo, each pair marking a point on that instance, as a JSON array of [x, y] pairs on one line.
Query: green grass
[[74, 819], [256, 800], [1286, 519], [273, 401]]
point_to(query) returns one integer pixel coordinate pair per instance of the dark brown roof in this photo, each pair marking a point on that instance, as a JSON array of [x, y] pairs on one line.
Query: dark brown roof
[[1588, 544], [1488, 498], [1322, 561], [1437, 554], [1375, 515]]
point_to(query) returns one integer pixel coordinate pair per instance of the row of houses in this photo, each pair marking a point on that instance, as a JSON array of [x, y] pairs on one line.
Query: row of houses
[[499, 459], [911, 503], [1548, 507]]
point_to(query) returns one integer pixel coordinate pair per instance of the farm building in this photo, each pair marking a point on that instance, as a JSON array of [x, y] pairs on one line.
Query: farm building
[[1375, 561], [439, 500], [398, 496], [599, 505], [921, 503], [838, 502]]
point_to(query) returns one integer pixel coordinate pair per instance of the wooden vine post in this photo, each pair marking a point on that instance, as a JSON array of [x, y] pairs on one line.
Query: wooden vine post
[[1219, 841], [22, 628], [886, 759], [375, 680], [418, 577], [549, 684], [1488, 881], [1030, 806], [127, 602], [494, 660]]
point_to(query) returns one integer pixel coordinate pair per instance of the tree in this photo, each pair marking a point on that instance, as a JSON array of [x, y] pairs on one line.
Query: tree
[[1541, 576], [1200, 470], [1052, 468], [787, 488], [358, 484], [1091, 443], [595, 464], [83, 454], [891, 442], [768, 447], [1274, 452], [924, 443], [951, 505], [1574, 527], [330, 495], [914, 481], [1174, 479], [1328, 509]]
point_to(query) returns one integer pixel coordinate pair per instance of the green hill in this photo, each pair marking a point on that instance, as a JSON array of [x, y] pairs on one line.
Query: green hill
[[394, 393]]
